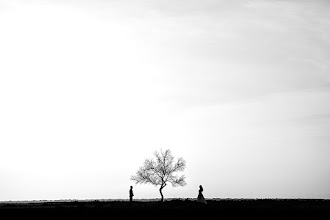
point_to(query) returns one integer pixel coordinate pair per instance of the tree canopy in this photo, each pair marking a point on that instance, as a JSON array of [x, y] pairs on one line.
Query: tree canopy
[[160, 171]]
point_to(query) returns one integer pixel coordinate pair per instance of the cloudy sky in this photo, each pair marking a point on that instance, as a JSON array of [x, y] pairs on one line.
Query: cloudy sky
[[239, 89]]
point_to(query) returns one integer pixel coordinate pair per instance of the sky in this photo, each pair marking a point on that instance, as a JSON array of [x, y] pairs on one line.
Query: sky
[[90, 89]]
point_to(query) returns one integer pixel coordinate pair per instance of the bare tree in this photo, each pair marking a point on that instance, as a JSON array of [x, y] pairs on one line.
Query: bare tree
[[161, 171]]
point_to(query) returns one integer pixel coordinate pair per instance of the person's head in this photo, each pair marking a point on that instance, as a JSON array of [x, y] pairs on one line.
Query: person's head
[[131, 187]]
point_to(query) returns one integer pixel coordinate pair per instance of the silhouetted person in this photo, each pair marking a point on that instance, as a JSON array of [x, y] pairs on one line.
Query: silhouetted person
[[200, 197], [131, 194]]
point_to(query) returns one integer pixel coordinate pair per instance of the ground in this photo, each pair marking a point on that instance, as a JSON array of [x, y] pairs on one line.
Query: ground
[[171, 209]]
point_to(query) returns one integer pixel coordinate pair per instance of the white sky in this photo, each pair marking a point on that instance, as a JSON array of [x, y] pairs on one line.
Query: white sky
[[239, 89]]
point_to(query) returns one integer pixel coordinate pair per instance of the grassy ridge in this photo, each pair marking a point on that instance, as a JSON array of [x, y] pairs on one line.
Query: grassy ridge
[[172, 209]]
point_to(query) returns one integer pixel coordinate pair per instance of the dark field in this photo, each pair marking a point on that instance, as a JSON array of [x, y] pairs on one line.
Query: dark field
[[172, 209]]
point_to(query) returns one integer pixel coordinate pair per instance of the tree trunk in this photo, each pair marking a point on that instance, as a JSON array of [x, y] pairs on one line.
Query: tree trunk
[[160, 190]]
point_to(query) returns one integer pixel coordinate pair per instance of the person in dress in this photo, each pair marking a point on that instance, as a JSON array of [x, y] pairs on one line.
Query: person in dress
[[200, 197]]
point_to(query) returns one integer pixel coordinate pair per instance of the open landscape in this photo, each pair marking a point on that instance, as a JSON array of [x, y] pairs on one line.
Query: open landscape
[[169, 209], [164, 109]]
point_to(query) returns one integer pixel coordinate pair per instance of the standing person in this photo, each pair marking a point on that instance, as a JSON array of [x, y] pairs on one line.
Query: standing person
[[131, 194], [200, 197]]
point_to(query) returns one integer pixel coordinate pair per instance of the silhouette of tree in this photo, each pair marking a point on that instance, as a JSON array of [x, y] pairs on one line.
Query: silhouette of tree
[[161, 171]]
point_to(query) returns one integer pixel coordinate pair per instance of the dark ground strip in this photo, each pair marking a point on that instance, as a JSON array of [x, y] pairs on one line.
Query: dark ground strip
[[174, 209]]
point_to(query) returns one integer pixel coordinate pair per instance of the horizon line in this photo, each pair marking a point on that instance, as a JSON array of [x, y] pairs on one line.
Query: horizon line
[[151, 199]]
